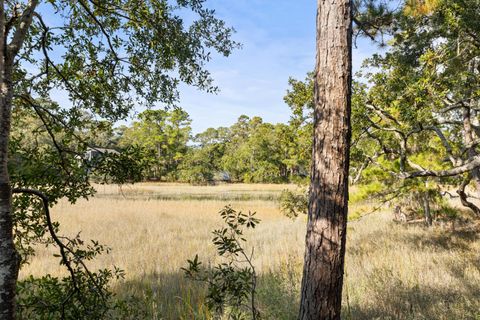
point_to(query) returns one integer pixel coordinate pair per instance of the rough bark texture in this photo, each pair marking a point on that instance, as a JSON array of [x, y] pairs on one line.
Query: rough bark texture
[[327, 217], [9, 261], [426, 211], [10, 44], [469, 141], [8, 255]]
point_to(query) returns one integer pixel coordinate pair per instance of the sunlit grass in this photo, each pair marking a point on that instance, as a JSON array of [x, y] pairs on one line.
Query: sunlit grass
[[393, 271]]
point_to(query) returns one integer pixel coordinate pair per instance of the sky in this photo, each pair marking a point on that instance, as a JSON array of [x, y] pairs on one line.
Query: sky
[[278, 42]]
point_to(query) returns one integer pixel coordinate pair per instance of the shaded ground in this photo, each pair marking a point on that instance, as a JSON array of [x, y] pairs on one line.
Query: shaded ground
[[393, 272]]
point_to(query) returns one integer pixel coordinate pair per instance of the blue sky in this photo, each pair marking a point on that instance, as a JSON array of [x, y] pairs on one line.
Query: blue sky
[[278, 38], [278, 42]]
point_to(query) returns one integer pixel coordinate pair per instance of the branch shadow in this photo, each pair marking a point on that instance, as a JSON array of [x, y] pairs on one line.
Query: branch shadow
[[401, 301], [394, 297], [171, 297], [452, 240]]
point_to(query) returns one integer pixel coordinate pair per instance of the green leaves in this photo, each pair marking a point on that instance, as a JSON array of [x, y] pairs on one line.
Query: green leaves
[[292, 204], [232, 282], [100, 59], [163, 135], [421, 104], [121, 53]]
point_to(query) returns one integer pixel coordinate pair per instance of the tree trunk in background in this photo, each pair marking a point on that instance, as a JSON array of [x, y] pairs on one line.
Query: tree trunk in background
[[322, 282], [426, 210], [469, 140]]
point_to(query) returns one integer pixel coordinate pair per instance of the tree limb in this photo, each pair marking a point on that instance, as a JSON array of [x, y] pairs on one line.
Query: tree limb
[[464, 197], [51, 230], [20, 33], [102, 28], [63, 248], [467, 167]]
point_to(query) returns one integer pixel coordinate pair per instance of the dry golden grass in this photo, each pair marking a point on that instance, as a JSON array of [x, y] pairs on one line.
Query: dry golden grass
[[179, 191], [392, 271], [158, 235], [410, 272]]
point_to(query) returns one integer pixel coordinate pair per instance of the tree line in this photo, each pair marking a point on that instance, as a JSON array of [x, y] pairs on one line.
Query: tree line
[[250, 150]]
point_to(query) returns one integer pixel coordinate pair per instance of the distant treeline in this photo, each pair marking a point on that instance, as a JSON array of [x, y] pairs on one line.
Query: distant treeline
[[248, 151], [159, 145]]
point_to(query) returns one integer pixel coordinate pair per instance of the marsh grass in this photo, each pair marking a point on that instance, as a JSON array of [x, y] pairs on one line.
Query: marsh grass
[[393, 271], [177, 191]]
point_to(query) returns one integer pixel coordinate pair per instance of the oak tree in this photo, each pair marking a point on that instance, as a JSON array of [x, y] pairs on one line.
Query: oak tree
[[61, 59]]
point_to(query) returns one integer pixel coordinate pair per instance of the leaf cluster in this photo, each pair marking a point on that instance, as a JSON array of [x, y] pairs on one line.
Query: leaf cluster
[[231, 283]]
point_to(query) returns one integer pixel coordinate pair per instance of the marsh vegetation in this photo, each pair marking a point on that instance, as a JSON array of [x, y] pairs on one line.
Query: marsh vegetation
[[393, 270]]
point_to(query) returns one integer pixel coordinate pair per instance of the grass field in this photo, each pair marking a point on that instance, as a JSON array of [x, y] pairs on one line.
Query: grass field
[[393, 271]]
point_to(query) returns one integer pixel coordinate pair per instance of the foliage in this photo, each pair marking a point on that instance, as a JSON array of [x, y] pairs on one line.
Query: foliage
[[164, 134], [262, 152], [50, 159], [420, 111], [104, 58], [248, 151], [83, 294], [251, 154], [292, 204], [420, 7], [127, 166], [300, 99], [88, 296], [366, 191], [415, 121], [374, 19], [232, 283], [203, 160], [197, 167]]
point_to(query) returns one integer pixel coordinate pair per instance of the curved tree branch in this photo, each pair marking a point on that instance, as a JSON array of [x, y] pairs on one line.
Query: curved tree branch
[[51, 229], [464, 196], [20, 33], [468, 166], [64, 249]]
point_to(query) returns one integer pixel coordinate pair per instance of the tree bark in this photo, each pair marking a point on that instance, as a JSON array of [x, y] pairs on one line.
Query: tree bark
[[9, 259], [469, 141], [464, 196], [322, 282], [427, 211]]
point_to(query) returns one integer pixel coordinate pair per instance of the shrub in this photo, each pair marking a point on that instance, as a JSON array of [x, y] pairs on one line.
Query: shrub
[[232, 283]]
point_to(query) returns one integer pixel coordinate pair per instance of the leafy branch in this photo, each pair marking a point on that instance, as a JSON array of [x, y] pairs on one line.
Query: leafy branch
[[232, 283], [84, 293]]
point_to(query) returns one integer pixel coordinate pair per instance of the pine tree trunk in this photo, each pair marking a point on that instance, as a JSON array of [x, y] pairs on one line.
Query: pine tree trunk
[[327, 217]]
